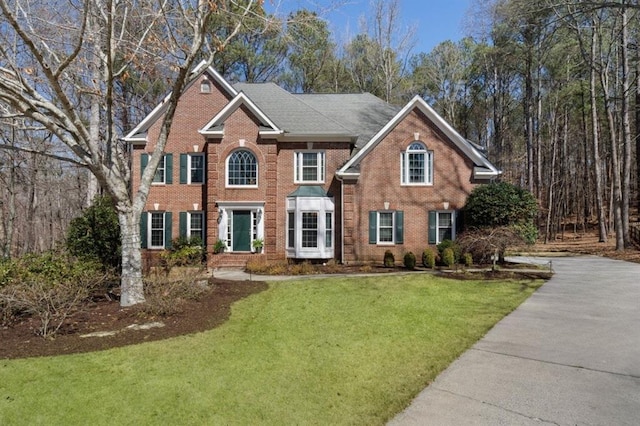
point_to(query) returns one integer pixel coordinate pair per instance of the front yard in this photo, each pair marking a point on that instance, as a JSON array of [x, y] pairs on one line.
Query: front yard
[[352, 350]]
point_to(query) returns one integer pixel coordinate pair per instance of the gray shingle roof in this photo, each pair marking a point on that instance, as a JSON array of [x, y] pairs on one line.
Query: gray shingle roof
[[362, 113], [359, 115], [289, 113]]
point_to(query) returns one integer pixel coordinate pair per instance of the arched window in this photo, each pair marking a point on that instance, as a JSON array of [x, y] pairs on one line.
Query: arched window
[[417, 165], [242, 169]]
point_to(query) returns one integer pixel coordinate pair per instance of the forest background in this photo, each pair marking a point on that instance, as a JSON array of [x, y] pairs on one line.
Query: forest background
[[549, 88]]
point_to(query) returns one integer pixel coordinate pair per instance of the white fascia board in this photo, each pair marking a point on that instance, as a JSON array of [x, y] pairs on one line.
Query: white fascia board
[[148, 120], [315, 137], [417, 102], [239, 100], [160, 108]]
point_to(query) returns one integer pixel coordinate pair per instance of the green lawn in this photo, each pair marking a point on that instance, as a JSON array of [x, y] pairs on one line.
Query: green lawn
[[325, 351]]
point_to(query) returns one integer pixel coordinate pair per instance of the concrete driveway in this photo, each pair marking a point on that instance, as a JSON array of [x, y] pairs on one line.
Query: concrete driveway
[[569, 355]]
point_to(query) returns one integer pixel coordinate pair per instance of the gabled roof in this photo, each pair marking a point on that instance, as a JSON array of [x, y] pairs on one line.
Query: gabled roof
[[298, 120], [139, 133], [215, 127], [483, 168]]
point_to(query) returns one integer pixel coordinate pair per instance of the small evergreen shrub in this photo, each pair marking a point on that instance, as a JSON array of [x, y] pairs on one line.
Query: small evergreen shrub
[[468, 260], [428, 258], [455, 248], [448, 257], [96, 234], [410, 261], [389, 259], [184, 252]]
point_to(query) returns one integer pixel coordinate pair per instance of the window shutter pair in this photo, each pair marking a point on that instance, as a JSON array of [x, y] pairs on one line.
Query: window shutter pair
[[168, 166], [398, 231]]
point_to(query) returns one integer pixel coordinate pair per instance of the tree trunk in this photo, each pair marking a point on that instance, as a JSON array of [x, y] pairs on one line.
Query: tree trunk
[[597, 168], [626, 131], [131, 280]]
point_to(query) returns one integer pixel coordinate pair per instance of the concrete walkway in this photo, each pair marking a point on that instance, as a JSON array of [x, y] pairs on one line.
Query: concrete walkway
[[569, 355]]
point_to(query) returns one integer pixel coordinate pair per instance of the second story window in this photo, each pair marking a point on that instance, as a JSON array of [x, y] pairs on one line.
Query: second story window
[[417, 165], [192, 168], [309, 167], [242, 169], [160, 172], [164, 172]]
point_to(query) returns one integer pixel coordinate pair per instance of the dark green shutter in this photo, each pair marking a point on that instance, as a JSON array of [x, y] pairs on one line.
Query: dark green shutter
[[183, 168], [399, 237], [167, 229], [183, 224], [168, 164], [459, 221], [433, 234], [144, 160], [144, 222], [373, 227]]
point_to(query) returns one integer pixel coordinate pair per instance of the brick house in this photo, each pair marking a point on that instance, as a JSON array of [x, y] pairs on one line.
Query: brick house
[[314, 176]]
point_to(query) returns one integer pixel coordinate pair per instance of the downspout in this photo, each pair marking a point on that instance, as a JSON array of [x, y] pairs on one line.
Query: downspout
[[341, 217]]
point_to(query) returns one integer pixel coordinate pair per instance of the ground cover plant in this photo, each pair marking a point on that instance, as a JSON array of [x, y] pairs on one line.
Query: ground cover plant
[[348, 350]]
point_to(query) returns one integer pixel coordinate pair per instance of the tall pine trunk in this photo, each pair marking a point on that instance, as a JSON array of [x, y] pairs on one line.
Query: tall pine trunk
[[597, 167]]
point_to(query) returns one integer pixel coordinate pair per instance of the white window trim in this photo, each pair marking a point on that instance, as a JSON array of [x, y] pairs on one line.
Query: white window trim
[[189, 213], [164, 172], [189, 157], [393, 228], [453, 224], [150, 231], [428, 164], [297, 166], [226, 177], [303, 229]]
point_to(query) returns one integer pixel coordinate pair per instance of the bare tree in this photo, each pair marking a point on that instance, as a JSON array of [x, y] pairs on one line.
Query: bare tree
[[72, 54]]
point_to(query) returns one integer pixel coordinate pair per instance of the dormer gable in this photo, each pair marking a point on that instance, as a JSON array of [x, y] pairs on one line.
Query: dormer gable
[[215, 127]]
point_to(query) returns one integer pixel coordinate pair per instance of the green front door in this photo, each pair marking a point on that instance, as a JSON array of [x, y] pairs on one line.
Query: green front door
[[241, 230]]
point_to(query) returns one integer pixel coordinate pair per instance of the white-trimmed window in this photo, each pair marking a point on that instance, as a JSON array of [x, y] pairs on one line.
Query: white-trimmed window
[[386, 227], [242, 169], [156, 230], [192, 168], [442, 226], [309, 166], [164, 172], [195, 226], [291, 229], [328, 230], [309, 229], [417, 165]]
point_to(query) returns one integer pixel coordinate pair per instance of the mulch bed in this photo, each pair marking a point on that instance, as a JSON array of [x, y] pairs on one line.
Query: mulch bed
[[212, 309]]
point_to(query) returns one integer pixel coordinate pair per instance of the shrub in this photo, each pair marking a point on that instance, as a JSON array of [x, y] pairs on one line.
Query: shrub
[[50, 287], [410, 261], [448, 257], [502, 205], [389, 259], [428, 258], [96, 234], [184, 252], [164, 296], [468, 260], [455, 248], [484, 243]]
